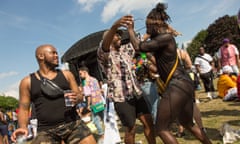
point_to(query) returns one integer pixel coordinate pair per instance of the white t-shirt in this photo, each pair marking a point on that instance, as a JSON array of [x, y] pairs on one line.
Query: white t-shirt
[[204, 65]]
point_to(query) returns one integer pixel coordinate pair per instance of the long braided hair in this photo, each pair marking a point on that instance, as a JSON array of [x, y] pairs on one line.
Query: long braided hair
[[158, 21]]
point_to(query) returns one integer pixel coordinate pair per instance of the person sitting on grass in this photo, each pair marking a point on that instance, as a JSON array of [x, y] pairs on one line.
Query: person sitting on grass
[[227, 84]]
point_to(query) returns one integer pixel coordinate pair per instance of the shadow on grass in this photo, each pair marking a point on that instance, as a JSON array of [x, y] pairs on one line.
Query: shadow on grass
[[212, 134], [139, 128], [220, 112]]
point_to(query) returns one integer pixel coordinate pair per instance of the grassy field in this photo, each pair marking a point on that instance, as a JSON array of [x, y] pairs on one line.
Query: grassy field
[[215, 113]]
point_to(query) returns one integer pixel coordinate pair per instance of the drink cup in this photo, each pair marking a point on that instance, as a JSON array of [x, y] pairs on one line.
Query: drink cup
[[68, 102], [21, 139]]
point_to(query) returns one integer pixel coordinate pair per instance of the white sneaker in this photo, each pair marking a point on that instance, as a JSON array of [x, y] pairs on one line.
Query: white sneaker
[[197, 101], [213, 95], [209, 95]]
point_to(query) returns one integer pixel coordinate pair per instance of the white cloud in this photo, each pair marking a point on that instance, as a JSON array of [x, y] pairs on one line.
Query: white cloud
[[88, 4], [13, 90], [8, 19], [114, 7], [8, 74]]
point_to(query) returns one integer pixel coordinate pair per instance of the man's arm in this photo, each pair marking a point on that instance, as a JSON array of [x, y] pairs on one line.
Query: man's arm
[[219, 59], [24, 102], [188, 61], [133, 38], [77, 97], [237, 61], [197, 68], [24, 107], [109, 35]]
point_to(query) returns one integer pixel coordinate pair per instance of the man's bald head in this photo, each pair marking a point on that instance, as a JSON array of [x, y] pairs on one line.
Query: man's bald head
[[42, 49]]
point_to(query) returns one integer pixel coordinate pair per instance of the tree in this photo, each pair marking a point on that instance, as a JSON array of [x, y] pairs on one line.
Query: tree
[[224, 27], [196, 43], [8, 103]]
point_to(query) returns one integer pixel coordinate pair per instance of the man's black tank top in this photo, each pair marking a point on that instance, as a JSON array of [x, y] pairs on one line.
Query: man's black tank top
[[51, 112]]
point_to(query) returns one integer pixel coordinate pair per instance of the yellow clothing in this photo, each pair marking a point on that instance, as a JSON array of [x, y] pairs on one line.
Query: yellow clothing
[[225, 82]]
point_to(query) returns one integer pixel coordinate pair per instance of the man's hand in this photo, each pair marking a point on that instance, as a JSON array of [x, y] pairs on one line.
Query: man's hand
[[124, 21], [74, 98], [19, 132]]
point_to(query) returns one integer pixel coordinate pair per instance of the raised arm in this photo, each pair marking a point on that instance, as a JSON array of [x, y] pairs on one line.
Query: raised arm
[[163, 40], [154, 44], [109, 35], [133, 38]]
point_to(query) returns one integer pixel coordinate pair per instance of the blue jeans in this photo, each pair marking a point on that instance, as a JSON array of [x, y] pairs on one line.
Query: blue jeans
[[97, 119], [151, 97]]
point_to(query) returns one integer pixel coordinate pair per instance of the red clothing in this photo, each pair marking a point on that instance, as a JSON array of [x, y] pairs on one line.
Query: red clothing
[[238, 86], [17, 110]]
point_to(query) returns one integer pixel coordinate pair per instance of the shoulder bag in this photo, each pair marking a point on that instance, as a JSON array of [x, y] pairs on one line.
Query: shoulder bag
[[49, 88]]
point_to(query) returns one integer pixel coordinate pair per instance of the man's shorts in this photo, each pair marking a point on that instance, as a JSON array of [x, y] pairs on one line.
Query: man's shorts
[[129, 110], [3, 130], [72, 132]]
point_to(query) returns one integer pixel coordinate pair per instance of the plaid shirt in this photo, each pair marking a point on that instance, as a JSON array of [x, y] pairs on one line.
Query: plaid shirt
[[117, 65]]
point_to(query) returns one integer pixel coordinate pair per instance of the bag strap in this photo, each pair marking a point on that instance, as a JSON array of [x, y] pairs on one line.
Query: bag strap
[[43, 79], [203, 58], [161, 85]]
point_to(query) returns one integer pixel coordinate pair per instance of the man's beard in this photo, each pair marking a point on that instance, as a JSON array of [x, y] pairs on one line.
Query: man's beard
[[51, 65], [117, 45]]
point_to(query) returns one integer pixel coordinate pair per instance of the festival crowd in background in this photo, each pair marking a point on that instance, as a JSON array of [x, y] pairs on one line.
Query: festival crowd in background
[[147, 78]]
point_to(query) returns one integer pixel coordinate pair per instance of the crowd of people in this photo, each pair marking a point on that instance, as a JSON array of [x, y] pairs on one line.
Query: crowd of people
[[147, 78]]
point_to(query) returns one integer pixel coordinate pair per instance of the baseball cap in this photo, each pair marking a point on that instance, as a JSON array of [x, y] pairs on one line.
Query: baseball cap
[[226, 40], [120, 32], [227, 69]]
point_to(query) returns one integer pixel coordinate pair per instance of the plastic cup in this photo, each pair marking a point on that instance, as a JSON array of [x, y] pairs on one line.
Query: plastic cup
[[68, 102], [21, 139]]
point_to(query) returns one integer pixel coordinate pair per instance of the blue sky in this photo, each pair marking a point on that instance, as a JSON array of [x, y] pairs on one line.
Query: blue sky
[[26, 24]]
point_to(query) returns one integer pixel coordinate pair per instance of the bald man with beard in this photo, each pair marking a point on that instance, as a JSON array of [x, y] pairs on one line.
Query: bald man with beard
[[56, 122]]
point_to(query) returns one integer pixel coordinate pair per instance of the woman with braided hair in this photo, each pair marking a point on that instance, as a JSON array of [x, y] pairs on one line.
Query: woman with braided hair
[[175, 85]]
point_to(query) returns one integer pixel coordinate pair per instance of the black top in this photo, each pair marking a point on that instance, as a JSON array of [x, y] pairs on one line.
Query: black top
[[164, 49], [51, 112]]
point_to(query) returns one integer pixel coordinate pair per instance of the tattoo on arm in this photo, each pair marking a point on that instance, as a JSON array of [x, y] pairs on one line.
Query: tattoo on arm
[[25, 105]]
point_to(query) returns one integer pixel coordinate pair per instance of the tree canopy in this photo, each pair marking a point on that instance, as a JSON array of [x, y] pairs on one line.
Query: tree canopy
[[8, 103], [224, 27], [196, 43], [212, 37]]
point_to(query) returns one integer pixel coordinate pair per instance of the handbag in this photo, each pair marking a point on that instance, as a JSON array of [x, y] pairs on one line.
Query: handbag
[[49, 88], [97, 107]]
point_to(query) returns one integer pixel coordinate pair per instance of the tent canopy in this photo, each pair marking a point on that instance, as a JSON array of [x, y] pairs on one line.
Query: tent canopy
[[87, 46], [83, 47], [84, 53]]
